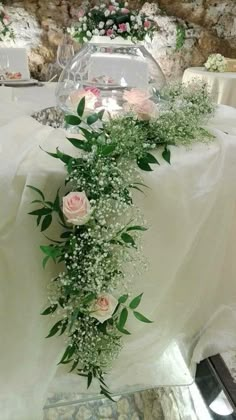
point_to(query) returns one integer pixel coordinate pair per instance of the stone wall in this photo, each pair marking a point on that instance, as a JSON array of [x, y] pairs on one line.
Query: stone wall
[[208, 26]]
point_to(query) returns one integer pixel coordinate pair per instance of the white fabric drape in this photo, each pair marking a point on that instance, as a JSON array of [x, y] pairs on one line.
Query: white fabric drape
[[189, 287]]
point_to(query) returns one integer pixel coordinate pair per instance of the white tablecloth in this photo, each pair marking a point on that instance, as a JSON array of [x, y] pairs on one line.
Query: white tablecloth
[[221, 85], [189, 288]]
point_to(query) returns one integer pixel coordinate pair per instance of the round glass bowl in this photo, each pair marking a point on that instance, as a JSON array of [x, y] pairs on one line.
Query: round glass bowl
[[103, 71]]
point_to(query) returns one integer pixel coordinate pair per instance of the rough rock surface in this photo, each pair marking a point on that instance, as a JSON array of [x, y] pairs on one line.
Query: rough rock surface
[[209, 26]]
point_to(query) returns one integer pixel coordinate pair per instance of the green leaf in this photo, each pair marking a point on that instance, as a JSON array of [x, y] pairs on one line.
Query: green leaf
[[141, 317], [89, 298], [90, 379], [80, 107], [128, 239], [166, 155], [52, 251], [135, 302], [45, 260], [107, 149], [75, 364], [64, 326], [123, 298], [92, 119], [144, 165], [56, 204], [55, 329], [150, 158], [123, 318], [46, 222], [37, 201], [106, 393], [100, 114], [141, 228], [123, 330], [74, 318], [62, 156], [67, 354], [40, 212], [88, 134], [39, 220], [50, 310], [65, 235], [80, 144], [72, 120], [36, 190]]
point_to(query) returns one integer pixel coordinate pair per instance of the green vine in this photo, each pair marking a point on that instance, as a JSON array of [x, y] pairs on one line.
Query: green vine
[[180, 37]]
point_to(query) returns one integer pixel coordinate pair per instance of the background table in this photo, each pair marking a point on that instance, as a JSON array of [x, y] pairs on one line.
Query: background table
[[222, 85]]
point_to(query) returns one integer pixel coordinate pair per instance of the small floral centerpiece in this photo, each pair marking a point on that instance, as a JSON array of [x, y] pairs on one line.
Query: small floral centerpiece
[[216, 62], [112, 19], [6, 31]]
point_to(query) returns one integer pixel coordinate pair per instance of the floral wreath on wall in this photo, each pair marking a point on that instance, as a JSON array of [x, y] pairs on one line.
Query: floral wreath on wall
[[6, 31], [113, 19], [99, 223]]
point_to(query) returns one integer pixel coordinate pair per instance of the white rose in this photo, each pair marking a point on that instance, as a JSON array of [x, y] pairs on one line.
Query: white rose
[[109, 22], [84, 27], [102, 32], [85, 18], [80, 19], [85, 39], [103, 307], [96, 32], [89, 34], [107, 13], [101, 25]]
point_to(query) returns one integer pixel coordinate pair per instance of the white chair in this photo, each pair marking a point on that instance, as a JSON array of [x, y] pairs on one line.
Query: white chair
[[18, 61]]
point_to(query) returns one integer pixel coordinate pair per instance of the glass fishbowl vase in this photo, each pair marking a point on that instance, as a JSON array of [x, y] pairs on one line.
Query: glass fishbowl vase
[[104, 71]]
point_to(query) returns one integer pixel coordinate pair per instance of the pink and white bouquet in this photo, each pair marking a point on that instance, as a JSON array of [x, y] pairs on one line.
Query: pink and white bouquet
[[6, 31], [113, 19]]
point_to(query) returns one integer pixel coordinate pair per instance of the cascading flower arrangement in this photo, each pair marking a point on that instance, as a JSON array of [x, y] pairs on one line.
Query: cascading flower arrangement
[[112, 19], [6, 31], [100, 224]]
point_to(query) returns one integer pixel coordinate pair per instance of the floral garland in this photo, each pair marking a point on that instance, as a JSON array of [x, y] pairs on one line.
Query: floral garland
[[113, 19], [100, 225], [216, 62], [5, 30]]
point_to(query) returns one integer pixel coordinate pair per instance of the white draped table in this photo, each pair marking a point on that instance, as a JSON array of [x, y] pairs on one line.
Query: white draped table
[[189, 286], [221, 85]]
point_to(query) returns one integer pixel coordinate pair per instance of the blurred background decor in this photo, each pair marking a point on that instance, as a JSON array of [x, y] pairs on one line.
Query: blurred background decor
[[188, 31]]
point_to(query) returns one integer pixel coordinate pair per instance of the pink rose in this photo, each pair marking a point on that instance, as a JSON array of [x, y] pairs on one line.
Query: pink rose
[[135, 96], [76, 208], [145, 110], [94, 90], [147, 24], [109, 32], [111, 8], [122, 27], [81, 13], [90, 94], [124, 10], [103, 307]]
